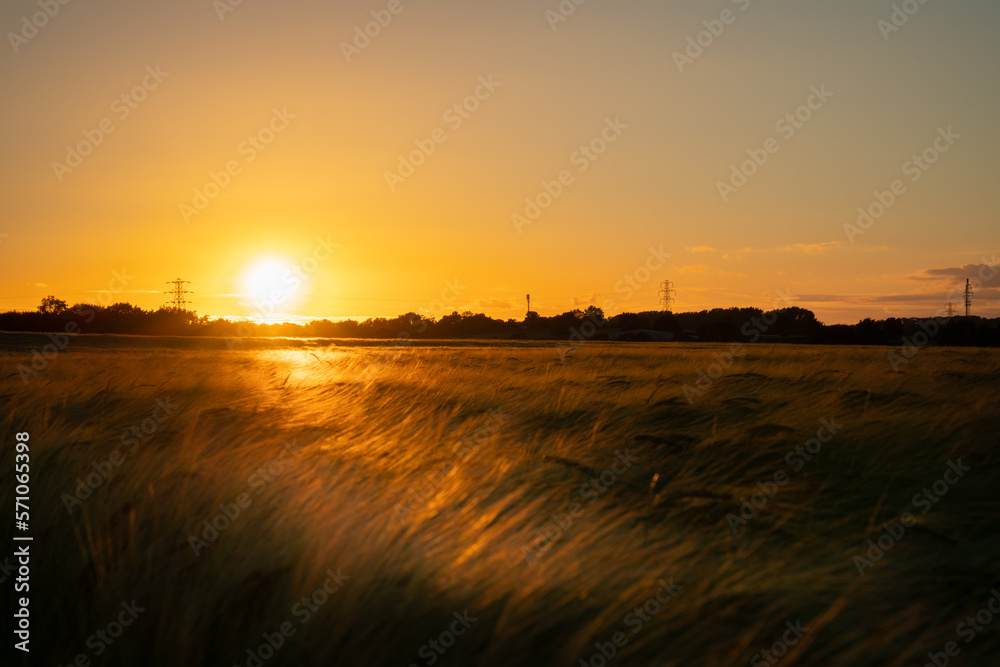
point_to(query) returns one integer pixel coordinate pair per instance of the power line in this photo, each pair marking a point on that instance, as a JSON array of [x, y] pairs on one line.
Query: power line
[[178, 292], [667, 293]]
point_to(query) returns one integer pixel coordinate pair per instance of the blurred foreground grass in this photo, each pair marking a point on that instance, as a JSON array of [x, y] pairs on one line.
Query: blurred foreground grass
[[547, 498]]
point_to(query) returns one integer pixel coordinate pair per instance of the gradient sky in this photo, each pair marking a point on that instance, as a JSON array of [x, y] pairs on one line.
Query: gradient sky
[[444, 237]]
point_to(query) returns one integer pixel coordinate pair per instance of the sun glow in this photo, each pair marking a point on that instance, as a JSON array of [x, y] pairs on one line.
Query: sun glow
[[272, 284]]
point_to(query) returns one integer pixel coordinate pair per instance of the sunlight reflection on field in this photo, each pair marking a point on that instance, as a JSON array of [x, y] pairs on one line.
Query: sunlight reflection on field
[[443, 477]]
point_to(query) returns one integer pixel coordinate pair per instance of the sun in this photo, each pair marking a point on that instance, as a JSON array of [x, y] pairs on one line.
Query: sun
[[271, 283]]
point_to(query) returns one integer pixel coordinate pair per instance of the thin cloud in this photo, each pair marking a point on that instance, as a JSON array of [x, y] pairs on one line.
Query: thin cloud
[[984, 294], [972, 271], [866, 298], [125, 291], [807, 248], [701, 248], [492, 303], [810, 248], [592, 300]]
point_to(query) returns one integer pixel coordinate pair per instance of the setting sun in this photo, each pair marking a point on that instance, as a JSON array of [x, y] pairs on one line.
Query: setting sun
[[535, 332], [272, 285]]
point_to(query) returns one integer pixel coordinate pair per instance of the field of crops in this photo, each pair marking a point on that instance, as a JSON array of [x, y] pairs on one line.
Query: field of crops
[[505, 504]]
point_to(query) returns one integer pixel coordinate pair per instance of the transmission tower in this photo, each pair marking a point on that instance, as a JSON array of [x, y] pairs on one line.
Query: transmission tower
[[529, 303], [178, 292], [949, 309], [667, 295], [968, 298]]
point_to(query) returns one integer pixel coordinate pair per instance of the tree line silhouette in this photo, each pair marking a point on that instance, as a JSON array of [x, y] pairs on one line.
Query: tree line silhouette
[[792, 324]]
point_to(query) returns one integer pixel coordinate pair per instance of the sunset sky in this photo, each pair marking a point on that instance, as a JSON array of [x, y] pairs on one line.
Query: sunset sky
[[105, 192]]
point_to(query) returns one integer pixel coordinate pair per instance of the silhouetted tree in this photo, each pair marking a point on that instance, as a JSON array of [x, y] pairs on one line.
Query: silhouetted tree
[[594, 314], [628, 321], [52, 306], [718, 324], [795, 321], [722, 331], [892, 330], [561, 325], [667, 322]]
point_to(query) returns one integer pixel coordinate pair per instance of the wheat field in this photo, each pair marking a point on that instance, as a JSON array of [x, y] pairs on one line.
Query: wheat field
[[506, 503]]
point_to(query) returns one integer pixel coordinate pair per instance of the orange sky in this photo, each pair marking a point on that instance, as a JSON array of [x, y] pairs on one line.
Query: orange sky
[[258, 149]]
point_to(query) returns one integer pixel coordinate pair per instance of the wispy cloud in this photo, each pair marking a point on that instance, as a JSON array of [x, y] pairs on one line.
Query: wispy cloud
[[126, 291], [809, 248], [591, 300], [492, 303], [984, 294], [981, 271], [701, 248]]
